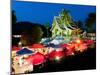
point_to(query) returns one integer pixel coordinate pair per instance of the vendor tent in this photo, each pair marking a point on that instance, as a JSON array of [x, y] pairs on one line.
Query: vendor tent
[[24, 51], [36, 59]]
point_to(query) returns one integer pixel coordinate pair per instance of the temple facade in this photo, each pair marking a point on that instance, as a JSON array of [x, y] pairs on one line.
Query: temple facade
[[63, 25]]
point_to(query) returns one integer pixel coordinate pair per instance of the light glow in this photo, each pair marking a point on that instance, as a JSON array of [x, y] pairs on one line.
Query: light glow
[[57, 58], [16, 36], [78, 41]]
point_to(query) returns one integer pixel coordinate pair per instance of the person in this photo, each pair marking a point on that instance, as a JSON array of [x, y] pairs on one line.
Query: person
[[12, 70]]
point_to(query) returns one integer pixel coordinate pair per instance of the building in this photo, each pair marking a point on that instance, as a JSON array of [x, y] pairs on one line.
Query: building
[[63, 25]]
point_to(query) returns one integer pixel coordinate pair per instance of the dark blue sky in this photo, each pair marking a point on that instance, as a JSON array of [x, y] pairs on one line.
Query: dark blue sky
[[44, 12]]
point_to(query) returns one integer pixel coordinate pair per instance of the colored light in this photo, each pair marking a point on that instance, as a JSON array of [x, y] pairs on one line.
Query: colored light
[[78, 41], [57, 58], [56, 55], [90, 42]]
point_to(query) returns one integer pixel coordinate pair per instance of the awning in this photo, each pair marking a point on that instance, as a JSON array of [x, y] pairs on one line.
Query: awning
[[36, 59], [24, 51]]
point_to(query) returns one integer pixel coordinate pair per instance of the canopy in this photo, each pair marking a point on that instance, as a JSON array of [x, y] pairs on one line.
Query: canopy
[[24, 51], [37, 46], [14, 48], [46, 40], [36, 59], [53, 46], [64, 45], [89, 42], [55, 54], [57, 40]]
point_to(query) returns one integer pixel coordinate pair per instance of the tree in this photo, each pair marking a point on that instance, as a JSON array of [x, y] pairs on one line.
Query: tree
[[30, 33], [80, 24], [31, 36], [14, 18], [90, 21], [47, 26]]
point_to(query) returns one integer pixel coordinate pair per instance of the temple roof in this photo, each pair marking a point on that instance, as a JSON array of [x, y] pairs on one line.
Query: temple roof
[[64, 23]]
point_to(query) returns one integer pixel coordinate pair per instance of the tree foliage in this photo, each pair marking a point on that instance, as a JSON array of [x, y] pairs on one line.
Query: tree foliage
[[31, 32], [90, 21], [32, 36], [47, 26], [14, 18]]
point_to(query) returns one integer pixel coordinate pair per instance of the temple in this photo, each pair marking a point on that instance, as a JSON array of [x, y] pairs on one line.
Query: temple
[[63, 25]]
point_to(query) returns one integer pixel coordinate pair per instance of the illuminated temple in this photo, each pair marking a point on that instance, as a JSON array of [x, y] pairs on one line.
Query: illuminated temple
[[63, 25]]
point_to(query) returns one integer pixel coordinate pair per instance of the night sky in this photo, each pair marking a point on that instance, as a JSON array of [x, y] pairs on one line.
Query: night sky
[[43, 13]]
